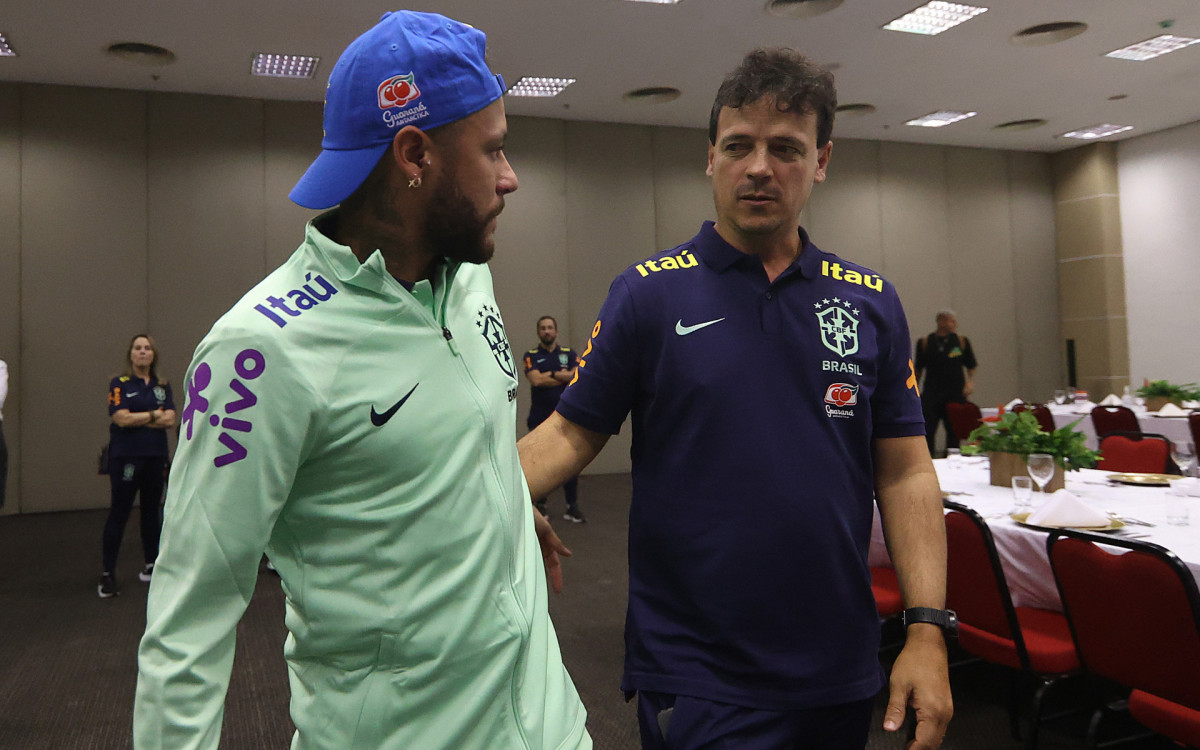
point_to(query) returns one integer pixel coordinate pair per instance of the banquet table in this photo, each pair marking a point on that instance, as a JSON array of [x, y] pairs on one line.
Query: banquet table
[[1022, 549], [1172, 428]]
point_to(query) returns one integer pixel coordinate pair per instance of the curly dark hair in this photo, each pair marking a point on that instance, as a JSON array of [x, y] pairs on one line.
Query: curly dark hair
[[797, 84]]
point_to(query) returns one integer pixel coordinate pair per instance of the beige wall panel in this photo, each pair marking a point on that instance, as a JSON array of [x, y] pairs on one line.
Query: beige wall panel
[[1092, 287], [683, 197], [293, 140], [530, 266], [1040, 361], [10, 280], [843, 214], [610, 225], [1085, 172], [915, 230], [206, 215], [1088, 227], [83, 275], [982, 267], [1094, 347]]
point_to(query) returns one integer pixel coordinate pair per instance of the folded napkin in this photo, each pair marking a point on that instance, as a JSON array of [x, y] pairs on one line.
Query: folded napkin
[[1064, 509], [1009, 406], [1084, 407], [1191, 404], [1171, 410], [1111, 399]]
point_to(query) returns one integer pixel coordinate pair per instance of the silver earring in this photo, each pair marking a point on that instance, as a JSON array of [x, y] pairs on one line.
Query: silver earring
[[414, 182]]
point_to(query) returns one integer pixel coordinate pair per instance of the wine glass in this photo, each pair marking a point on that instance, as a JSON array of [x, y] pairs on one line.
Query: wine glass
[[1041, 469], [1060, 397], [1183, 454], [952, 457]]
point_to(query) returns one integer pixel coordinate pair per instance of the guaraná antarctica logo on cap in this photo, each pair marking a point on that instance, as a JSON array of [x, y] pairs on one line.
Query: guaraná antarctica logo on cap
[[396, 93]]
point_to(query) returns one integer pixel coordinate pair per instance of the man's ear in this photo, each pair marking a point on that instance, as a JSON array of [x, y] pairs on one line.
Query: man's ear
[[410, 151], [711, 151]]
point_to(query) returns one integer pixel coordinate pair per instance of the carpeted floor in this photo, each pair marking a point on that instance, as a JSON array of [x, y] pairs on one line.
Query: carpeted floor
[[68, 659]]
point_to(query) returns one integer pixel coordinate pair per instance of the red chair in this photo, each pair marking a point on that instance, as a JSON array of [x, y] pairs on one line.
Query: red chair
[[1135, 618], [1041, 413], [886, 589], [964, 417], [1194, 426], [1109, 419], [1135, 451], [1034, 641]]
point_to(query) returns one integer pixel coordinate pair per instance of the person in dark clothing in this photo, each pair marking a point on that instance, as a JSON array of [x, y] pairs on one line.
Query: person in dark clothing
[[948, 363], [142, 409], [549, 368]]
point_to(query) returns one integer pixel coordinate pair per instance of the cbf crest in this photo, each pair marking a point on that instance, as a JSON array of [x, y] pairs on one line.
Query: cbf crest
[[491, 327], [839, 326]]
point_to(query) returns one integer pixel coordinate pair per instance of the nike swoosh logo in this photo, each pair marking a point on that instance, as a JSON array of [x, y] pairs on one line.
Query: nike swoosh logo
[[683, 330], [379, 420]]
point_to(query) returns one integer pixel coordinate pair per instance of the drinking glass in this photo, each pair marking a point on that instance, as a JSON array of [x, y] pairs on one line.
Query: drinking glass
[[1071, 395], [1022, 488], [1183, 454], [1041, 469], [1177, 503], [1060, 397], [953, 456]]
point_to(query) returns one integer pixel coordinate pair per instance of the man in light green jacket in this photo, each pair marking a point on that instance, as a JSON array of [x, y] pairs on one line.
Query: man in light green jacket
[[354, 416]]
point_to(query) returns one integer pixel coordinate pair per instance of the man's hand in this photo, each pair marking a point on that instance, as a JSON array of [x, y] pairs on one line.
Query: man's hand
[[920, 678], [552, 547], [968, 389]]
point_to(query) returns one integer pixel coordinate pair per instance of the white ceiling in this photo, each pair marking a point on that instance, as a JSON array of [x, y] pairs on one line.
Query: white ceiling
[[613, 46]]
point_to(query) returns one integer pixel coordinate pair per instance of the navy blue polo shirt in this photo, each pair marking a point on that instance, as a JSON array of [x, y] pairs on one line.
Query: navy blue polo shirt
[[543, 400], [754, 407], [135, 394]]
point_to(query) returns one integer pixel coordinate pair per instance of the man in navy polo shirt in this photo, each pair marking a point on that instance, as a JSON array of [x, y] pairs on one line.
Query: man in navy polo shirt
[[548, 368], [773, 402]]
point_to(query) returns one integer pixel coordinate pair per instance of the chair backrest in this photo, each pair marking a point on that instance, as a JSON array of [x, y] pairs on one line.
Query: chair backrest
[[1110, 419], [1135, 615], [976, 588], [1194, 424], [1044, 417], [1135, 451], [964, 417]]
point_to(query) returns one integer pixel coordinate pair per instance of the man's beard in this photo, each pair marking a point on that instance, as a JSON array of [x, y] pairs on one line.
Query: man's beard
[[454, 229]]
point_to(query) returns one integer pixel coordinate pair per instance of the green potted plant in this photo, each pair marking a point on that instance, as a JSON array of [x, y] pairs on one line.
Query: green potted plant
[[1009, 441], [1159, 393]]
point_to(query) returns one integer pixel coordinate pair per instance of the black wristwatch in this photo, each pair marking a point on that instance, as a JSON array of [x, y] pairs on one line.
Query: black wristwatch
[[945, 619]]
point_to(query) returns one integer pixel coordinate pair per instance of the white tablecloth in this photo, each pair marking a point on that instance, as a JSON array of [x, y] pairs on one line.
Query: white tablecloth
[[1172, 428], [1023, 550]]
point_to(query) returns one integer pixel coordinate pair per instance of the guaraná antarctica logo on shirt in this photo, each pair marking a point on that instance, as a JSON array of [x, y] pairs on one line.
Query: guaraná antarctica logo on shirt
[[249, 365], [491, 327], [839, 326], [395, 94], [838, 396]]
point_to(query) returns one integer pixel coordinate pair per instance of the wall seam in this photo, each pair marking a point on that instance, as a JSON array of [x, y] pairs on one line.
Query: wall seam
[[149, 192], [18, 506]]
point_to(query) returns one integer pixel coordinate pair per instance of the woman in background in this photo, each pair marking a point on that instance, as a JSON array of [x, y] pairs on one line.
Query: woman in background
[[142, 409]]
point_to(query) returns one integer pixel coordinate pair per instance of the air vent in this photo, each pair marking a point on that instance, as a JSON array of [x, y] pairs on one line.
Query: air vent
[[1049, 33], [653, 94], [800, 8], [855, 110], [149, 55], [1014, 125]]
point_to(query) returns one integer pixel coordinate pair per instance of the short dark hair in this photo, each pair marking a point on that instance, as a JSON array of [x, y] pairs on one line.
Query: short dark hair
[[797, 84], [549, 318]]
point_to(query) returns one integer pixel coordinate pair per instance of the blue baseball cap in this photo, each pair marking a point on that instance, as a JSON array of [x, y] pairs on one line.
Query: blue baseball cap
[[421, 69]]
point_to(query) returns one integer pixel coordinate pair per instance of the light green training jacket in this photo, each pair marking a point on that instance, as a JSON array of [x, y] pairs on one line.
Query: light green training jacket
[[365, 437]]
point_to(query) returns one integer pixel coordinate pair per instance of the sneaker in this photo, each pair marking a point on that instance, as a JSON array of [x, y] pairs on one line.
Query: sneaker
[[147, 571], [574, 515], [108, 586]]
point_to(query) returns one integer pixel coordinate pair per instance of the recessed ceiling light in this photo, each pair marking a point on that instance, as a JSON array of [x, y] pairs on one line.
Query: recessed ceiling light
[[800, 8], [6, 49], [534, 86], [1048, 33], [940, 119], [934, 18], [652, 94], [1118, 97], [1159, 45], [1013, 125], [855, 110], [1097, 131], [284, 66], [150, 55]]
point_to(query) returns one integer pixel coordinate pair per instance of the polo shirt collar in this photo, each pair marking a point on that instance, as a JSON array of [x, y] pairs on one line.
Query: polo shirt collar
[[719, 255]]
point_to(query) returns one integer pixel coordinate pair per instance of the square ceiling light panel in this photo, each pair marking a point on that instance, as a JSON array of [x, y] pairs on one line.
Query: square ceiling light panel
[[534, 86], [940, 119], [934, 18], [1097, 131], [6, 49], [1159, 45], [284, 66]]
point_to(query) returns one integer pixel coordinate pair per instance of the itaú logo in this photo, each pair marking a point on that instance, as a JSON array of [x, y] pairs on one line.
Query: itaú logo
[[842, 394]]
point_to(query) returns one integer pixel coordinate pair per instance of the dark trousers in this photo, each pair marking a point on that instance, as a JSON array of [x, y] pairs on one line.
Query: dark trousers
[[934, 409], [669, 722], [130, 477], [3, 464]]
